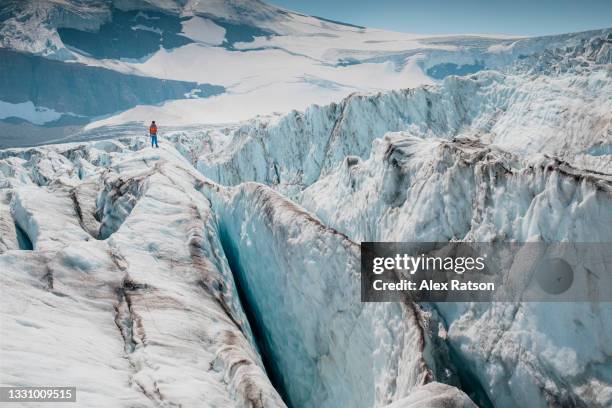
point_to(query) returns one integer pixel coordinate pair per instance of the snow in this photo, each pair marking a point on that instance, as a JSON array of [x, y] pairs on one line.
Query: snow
[[317, 61], [203, 30], [28, 111], [302, 60], [499, 48], [147, 28], [434, 395], [258, 83]]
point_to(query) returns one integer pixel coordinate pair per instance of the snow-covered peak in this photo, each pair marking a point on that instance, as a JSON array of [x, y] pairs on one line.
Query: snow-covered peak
[[238, 11], [268, 60], [31, 25]]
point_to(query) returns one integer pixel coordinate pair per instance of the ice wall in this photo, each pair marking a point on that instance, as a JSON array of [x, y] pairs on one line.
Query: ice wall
[[562, 115], [300, 282], [414, 189], [411, 189]]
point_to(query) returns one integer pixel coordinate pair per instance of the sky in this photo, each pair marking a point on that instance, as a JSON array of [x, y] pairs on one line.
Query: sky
[[514, 17]]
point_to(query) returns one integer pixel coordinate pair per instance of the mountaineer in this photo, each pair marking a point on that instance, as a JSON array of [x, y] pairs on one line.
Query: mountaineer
[[153, 134]]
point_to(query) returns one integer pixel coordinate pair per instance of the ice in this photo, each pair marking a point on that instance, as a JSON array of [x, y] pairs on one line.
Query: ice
[[171, 276], [204, 30], [268, 59], [131, 290], [434, 395], [300, 281], [28, 111], [148, 316], [414, 189], [520, 113], [493, 156]]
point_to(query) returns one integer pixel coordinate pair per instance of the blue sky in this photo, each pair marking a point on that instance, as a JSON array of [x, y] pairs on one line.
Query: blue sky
[[518, 17]]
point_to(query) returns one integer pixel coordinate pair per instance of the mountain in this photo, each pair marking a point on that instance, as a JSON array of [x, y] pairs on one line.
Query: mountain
[[208, 62], [222, 269]]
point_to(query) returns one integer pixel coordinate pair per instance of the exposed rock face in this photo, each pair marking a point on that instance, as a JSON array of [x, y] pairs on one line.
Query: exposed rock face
[[128, 34], [48, 27]]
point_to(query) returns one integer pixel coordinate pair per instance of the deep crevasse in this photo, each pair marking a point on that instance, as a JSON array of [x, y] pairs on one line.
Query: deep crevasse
[[301, 281]]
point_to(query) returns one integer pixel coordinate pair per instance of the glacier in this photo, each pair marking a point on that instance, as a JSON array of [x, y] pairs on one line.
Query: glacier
[[258, 59], [148, 317], [526, 113], [139, 259], [278, 251], [437, 190], [492, 156], [222, 268]]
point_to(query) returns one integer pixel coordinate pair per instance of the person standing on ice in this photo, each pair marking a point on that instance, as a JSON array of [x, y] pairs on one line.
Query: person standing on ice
[[153, 134]]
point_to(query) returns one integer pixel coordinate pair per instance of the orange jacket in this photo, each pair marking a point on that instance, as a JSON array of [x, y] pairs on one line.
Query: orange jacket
[[153, 129]]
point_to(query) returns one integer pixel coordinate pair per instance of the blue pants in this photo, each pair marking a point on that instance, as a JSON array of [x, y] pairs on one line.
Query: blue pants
[[154, 140]]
